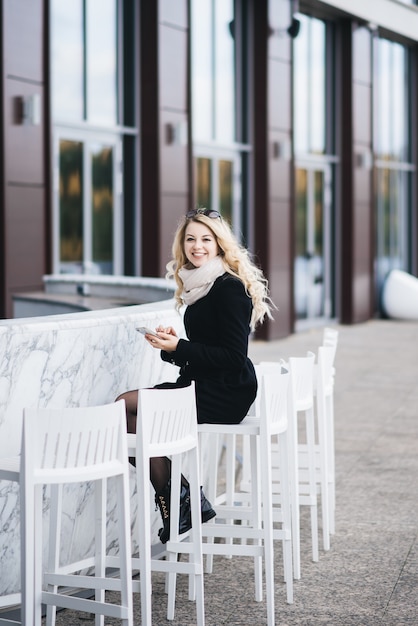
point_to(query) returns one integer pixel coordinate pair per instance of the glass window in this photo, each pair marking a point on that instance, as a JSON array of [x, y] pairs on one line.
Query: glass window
[[71, 204], [392, 95], [309, 86], [218, 37], [394, 171], [101, 61], [84, 60], [67, 43], [213, 70], [89, 68], [102, 208], [314, 272], [204, 177], [224, 72]]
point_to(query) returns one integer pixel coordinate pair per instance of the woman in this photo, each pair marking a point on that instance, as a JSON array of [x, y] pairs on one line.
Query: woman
[[226, 297]]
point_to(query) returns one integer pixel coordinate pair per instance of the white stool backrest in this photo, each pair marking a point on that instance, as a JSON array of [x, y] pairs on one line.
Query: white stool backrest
[[168, 419], [264, 367], [326, 355], [273, 404], [330, 338], [301, 376], [70, 439]]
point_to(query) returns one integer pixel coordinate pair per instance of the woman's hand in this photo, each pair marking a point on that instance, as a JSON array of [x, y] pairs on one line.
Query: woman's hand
[[167, 339]]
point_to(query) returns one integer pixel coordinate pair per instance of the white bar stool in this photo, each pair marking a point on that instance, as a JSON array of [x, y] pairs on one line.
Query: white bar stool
[[73, 445], [257, 526], [302, 484], [167, 426]]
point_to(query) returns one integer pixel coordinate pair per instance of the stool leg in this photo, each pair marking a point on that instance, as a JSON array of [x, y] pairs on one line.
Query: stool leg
[[125, 551], [213, 446], [100, 488], [286, 515], [266, 492], [310, 438], [257, 515], [230, 443], [196, 538], [174, 535], [55, 517], [144, 539]]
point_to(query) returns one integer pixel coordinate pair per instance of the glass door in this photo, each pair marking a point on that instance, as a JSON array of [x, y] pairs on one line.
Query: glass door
[[218, 185], [312, 270], [87, 199]]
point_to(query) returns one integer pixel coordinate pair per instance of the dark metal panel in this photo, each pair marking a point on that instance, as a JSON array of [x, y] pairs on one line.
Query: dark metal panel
[[150, 168], [346, 126]]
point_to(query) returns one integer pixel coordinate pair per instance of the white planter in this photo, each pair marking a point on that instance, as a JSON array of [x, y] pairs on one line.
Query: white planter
[[400, 296]]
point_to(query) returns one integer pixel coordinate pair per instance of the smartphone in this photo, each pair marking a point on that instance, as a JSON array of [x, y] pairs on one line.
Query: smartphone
[[146, 331]]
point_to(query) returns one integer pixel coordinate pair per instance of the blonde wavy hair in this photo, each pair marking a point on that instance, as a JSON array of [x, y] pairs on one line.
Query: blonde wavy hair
[[236, 259]]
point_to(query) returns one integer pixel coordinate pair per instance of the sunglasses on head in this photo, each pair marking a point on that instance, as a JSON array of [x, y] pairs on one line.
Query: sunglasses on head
[[207, 212]]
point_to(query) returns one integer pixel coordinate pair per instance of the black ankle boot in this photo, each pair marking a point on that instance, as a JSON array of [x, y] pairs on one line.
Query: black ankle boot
[[206, 508], [162, 500]]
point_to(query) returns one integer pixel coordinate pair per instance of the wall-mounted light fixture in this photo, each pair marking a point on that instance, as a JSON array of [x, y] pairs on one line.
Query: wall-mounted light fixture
[[282, 150], [176, 134], [29, 109], [364, 159], [294, 28]]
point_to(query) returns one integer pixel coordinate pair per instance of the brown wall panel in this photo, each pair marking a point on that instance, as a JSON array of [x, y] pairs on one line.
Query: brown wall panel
[[275, 229], [357, 199], [23, 38], [175, 184], [174, 153], [362, 123], [279, 90], [24, 158], [362, 56], [173, 208], [173, 67], [280, 174], [25, 239], [24, 143], [279, 19], [362, 183], [174, 13], [280, 268]]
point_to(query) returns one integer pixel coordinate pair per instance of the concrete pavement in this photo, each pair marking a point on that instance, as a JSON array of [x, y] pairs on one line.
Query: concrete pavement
[[369, 576]]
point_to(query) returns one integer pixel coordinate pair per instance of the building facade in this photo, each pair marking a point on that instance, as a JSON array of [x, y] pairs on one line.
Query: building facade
[[297, 120]]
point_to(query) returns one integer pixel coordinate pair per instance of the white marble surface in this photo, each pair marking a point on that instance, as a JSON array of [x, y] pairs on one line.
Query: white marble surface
[[78, 359]]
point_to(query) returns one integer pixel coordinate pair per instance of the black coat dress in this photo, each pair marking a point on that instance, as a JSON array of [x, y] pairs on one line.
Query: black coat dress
[[215, 357]]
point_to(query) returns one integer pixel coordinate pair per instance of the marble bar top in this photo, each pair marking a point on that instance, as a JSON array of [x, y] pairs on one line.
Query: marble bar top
[[77, 359]]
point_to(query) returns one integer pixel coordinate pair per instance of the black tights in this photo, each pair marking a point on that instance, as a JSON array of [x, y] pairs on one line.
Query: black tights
[[160, 467]]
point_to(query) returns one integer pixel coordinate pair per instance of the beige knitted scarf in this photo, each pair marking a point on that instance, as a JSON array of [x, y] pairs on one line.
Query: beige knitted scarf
[[198, 281]]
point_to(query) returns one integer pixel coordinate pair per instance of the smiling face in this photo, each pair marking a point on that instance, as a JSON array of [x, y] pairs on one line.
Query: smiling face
[[200, 245]]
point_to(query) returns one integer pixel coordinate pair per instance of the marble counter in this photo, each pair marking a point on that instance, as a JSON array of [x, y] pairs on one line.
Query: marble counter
[[77, 359]]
